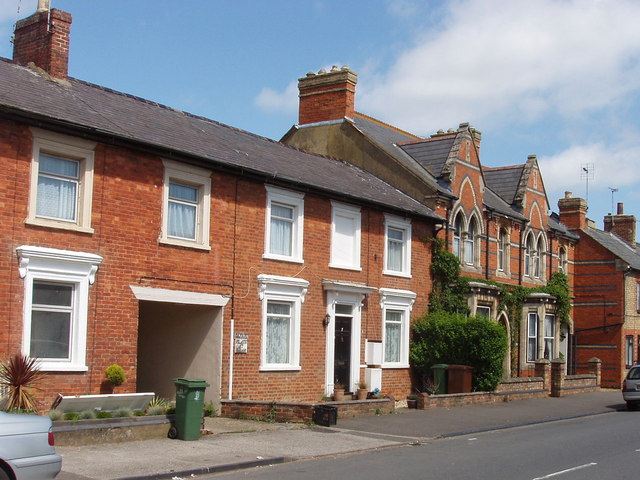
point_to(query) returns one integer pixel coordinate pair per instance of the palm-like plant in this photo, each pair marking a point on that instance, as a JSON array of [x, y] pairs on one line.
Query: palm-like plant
[[18, 379]]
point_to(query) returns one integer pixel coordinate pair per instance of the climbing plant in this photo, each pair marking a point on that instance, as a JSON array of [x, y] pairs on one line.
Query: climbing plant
[[449, 288]]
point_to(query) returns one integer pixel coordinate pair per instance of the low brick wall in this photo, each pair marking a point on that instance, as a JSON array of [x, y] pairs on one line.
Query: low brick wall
[[301, 412], [70, 433]]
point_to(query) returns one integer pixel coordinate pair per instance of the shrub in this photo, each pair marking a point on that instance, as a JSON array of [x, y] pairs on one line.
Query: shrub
[[115, 375], [56, 415], [122, 412], [457, 339], [87, 415], [72, 416], [156, 410], [18, 377], [102, 414]]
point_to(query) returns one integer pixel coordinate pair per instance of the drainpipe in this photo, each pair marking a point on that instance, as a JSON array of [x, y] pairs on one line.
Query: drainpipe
[[486, 260]]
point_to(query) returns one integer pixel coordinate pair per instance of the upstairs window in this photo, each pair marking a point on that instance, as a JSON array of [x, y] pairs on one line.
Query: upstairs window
[[457, 233], [470, 243], [397, 246], [345, 236], [186, 208], [284, 225], [562, 260], [503, 250], [529, 256], [61, 182]]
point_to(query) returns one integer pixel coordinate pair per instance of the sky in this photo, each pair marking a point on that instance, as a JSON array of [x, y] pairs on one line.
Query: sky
[[559, 79]]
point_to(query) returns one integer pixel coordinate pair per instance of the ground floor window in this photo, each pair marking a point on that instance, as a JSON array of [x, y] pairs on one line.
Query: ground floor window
[[549, 336], [396, 309], [532, 337], [56, 297], [629, 350]]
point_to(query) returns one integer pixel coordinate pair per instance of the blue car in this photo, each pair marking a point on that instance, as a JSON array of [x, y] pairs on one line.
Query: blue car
[[27, 449]]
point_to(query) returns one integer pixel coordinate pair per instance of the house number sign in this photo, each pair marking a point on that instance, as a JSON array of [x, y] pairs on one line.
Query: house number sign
[[241, 342]]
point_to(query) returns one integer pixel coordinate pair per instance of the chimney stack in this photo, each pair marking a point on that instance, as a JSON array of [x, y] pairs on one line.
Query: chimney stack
[[622, 225], [43, 38], [327, 96], [573, 212]]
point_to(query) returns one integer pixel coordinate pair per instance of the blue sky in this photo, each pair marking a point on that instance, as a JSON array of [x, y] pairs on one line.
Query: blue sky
[[559, 79]]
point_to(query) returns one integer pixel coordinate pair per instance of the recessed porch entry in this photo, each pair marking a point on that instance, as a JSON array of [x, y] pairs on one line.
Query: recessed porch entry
[[179, 340]]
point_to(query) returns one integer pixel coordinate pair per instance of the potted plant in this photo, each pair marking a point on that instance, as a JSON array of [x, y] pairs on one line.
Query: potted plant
[[412, 401], [115, 377], [18, 378], [363, 390], [338, 392]]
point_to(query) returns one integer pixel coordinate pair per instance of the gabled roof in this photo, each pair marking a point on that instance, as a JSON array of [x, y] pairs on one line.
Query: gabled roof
[[615, 245], [496, 204], [92, 110], [504, 181]]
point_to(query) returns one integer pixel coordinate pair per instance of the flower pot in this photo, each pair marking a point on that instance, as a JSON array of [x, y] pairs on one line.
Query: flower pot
[[338, 394], [361, 394], [412, 403]]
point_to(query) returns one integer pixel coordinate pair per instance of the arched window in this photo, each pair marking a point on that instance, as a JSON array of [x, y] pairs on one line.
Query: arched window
[[503, 250], [457, 232], [539, 258], [470, 243], [529, 253], [562, 260]]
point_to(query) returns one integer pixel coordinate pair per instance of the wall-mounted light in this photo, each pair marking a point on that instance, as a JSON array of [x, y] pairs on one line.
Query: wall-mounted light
[[326, 320]]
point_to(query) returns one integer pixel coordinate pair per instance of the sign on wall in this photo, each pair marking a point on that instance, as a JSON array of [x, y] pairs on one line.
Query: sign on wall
[[241, 342]]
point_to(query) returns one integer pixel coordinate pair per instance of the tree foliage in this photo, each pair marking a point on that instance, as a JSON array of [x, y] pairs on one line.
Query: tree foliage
[[456, 339]]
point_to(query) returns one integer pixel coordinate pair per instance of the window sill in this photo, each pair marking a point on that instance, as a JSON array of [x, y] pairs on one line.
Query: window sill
[[282, 258], [394, 365], [345, 267], [396, 274], [184, 243], [280, 368], [41, 222], [61, 367]]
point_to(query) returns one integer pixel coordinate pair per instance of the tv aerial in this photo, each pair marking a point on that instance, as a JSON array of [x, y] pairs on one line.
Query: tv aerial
[[586, 174], [613, 190]]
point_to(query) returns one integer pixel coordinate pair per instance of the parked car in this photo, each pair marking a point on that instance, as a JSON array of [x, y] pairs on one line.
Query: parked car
[[631, 388], [27, 449]]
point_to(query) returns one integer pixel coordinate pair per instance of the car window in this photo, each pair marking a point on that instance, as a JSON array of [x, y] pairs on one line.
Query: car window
[[634, 374]]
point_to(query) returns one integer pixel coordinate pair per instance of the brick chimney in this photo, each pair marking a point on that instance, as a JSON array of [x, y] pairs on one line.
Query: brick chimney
[[327, 95], [573, 212], [43, 38], [622, 225]]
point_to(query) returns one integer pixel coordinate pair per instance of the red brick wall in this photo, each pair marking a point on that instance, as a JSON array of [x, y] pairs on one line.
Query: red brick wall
[[126, 217]]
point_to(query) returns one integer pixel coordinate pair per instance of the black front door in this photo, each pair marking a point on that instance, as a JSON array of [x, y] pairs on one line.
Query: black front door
[[342, 352]]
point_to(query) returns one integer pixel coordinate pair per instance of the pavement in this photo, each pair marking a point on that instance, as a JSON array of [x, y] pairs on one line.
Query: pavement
[[239, 444]]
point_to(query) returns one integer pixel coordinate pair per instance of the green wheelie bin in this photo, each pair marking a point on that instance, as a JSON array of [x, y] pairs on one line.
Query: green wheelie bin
[[439, 372], [189, 408]]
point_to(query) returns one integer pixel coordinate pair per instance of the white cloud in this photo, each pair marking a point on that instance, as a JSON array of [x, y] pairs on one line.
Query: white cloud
[[612, 166], [496, 61], [287, 101]]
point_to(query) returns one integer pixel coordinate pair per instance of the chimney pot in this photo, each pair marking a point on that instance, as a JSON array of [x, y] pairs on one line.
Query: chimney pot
[[620, 208]]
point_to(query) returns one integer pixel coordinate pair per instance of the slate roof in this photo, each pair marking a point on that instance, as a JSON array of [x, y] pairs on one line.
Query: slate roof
[[561, 229], [390, 139], [616, 245], [504, 181], [496, 204], [85, 107], [432, 154]]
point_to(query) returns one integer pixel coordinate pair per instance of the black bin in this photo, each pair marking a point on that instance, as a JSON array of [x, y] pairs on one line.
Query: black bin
[[325, 415]]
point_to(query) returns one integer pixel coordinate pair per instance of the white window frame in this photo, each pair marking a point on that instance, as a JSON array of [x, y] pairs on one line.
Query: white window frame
[[77, 269], [469, 248], [70, 148], [562, 260], [404, 224], [397, 300], [295, 200], [552, 319], [272, 288], [532, 318], [348, 212], [628, 357], [200, 178], [484, 308], [457, 236]]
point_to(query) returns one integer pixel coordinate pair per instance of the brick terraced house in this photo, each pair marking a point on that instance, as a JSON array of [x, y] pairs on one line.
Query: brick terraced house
[[607, 289], [176, 246], [498, 221]]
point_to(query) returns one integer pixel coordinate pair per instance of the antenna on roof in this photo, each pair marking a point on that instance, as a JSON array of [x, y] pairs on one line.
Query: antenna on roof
[[613, 190], [587, 174]]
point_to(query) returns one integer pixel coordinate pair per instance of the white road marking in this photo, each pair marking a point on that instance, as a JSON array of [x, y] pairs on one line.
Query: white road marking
[[586, 465]]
